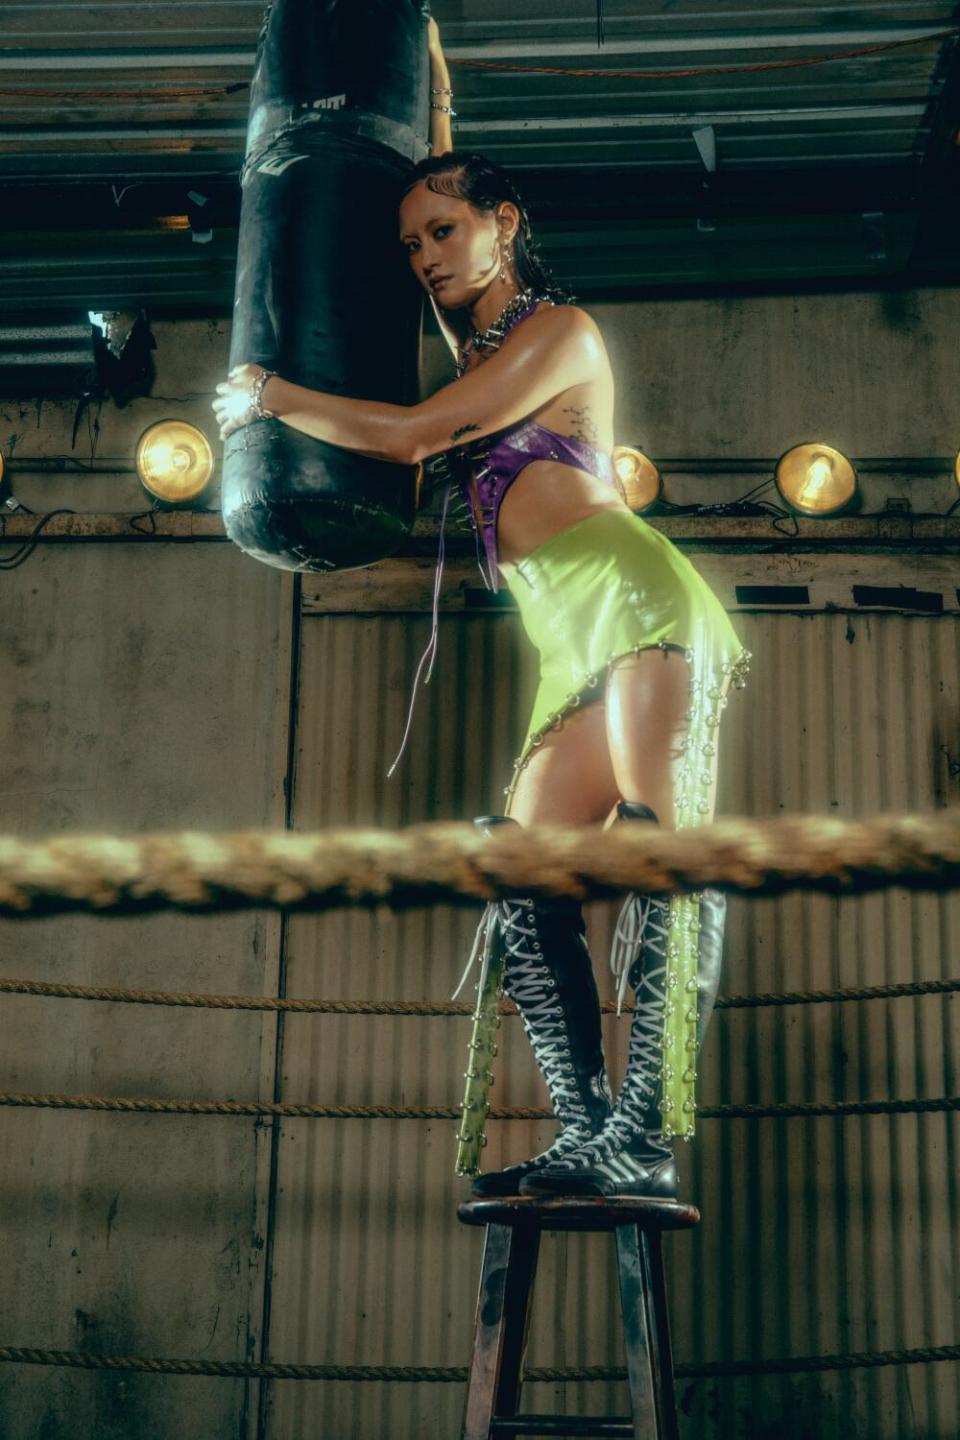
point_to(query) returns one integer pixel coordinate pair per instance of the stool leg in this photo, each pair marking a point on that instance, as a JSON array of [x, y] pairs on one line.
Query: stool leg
[[503, 1316], [634, 1304], [658, 1319]]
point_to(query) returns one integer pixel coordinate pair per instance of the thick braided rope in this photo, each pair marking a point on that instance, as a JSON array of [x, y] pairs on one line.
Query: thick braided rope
[[429, 1008], [809, 1109], [427, 863], [456, 1374]]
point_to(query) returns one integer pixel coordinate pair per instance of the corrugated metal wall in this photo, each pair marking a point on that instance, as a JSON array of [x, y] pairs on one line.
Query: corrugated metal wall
[[819, 1236]]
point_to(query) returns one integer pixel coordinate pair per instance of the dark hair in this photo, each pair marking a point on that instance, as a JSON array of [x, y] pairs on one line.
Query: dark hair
[[484, 185]]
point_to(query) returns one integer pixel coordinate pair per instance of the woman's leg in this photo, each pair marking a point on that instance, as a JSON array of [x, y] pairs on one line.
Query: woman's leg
[[569, 779], [547, 970], [648, 696], [646, 717]]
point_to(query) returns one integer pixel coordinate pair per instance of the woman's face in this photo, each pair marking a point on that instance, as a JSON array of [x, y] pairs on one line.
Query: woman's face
[[454, 249]]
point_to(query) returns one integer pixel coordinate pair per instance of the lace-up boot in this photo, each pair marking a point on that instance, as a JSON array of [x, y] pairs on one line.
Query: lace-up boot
[[630, 1155], [548, 974]]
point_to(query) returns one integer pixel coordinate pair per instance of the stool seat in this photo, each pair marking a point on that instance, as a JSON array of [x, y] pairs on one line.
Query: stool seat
[[580, 1212], [514, 1224]]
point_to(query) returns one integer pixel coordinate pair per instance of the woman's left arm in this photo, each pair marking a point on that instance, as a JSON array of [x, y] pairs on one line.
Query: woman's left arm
[[552, 350]]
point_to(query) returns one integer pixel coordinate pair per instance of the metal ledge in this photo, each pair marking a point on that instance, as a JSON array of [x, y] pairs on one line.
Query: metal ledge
[[863, 530]]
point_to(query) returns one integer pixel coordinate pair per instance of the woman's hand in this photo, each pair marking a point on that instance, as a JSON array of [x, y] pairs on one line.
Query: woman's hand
[[235, 406]]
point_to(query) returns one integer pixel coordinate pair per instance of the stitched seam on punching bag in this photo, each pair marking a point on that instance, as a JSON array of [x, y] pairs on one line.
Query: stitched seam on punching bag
[[339, 125]]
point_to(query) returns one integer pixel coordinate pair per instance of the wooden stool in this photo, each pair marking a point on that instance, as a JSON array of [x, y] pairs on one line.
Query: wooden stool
[[514, 1225]]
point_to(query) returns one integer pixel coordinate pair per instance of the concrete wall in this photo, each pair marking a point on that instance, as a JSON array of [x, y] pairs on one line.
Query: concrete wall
[[143, 688], [147, 686]]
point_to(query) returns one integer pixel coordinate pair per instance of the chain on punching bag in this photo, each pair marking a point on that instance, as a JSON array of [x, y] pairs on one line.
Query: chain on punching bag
[[339, 113]]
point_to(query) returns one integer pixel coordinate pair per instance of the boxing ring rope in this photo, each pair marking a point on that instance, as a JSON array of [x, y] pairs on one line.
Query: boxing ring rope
[[199, 873], [455, 1374], [147, 1105], [428, 1008], [458, 864]]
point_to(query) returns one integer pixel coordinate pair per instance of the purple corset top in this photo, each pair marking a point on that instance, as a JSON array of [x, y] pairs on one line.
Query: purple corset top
[[492, 464]]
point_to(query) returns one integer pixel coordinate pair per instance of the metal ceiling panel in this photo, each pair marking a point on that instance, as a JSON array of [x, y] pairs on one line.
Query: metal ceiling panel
[[111, 64], [135, 94]]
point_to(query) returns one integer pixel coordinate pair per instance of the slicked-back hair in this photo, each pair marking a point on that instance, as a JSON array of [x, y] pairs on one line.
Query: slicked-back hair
[[484, 185]]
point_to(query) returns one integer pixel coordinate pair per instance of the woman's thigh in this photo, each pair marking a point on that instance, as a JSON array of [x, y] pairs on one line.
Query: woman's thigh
[[569, 779], [647, 699]]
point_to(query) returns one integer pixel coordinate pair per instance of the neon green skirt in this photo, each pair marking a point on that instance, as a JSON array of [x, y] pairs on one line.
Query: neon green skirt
[[607, 587]]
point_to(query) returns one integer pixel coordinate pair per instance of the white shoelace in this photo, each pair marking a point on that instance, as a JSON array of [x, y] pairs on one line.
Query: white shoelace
[[642, 920]]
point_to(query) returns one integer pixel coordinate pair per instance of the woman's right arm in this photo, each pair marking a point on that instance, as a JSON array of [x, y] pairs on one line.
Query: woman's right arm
[[441, 130], [441, 142]]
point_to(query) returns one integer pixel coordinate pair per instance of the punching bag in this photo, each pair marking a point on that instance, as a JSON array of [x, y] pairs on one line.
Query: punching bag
[[339, 113]]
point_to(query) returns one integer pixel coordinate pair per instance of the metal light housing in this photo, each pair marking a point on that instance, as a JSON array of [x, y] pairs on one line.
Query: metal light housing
[[174, 461], [815, 479], [637, 478]]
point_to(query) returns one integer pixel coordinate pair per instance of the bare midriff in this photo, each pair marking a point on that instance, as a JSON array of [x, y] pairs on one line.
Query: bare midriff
[[543, 501]]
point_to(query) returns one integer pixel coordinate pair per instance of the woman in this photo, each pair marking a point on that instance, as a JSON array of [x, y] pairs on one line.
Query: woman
[[636, 658]]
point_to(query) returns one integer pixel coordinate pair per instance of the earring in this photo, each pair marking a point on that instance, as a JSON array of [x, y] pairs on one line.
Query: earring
[[506, 263]]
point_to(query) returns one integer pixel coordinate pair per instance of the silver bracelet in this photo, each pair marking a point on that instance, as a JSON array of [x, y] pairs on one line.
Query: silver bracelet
[[440, 90], [446, 109], [256, 395]]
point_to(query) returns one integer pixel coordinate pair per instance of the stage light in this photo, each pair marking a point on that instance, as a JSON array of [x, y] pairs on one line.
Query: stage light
[[956, 467], [815, 479], [174, 461], [637, 478]]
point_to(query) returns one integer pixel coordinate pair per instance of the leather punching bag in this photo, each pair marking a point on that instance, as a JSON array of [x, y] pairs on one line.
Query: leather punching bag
[[339, 113]]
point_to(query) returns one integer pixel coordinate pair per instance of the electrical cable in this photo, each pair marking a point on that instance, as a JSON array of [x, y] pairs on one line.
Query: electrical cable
[[703, 70], [22, 555]]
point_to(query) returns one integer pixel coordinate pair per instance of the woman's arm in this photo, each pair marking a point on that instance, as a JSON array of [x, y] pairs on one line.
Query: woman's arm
[[441, 130], [455, 336], [553, 350]]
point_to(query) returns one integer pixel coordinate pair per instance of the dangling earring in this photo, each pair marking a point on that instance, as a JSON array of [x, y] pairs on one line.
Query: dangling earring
[[506, 263]]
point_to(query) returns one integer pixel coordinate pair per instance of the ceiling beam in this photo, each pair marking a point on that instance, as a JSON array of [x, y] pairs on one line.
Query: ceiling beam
[[522, 49], [580, 194], [689, 119]]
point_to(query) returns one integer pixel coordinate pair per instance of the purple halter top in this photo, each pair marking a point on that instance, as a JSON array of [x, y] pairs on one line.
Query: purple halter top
[[486, 468]]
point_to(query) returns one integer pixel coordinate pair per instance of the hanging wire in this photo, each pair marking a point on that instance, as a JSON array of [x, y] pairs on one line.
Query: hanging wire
[[599, 23]]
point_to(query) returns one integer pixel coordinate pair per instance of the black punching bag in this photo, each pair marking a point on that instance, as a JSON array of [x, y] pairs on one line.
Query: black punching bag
[[339, 113]]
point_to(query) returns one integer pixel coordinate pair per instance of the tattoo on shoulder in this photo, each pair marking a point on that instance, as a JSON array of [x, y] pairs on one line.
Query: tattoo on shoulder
[[583, 422], [462, 430]]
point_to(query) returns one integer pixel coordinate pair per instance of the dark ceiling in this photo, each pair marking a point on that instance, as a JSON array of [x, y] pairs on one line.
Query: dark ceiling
[[836, 172]]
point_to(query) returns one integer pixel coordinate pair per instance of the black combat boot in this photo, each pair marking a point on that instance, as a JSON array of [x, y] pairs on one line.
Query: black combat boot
[[630, 1156], [548, 974]]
